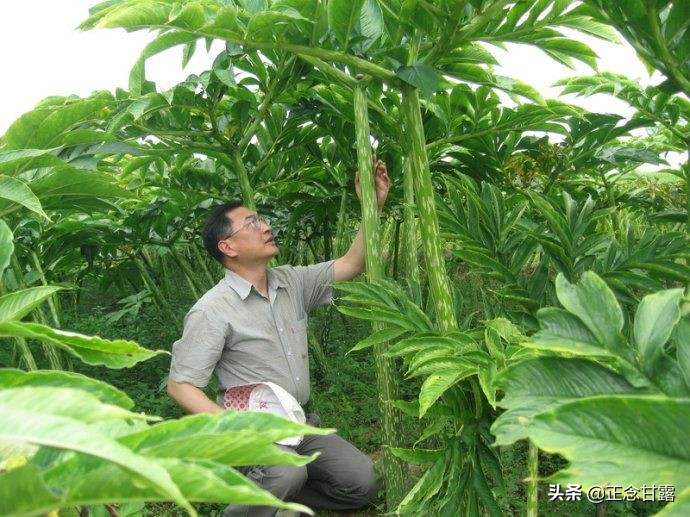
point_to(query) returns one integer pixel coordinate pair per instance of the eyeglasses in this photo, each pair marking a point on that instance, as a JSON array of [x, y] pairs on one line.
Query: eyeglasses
[[253, 223]]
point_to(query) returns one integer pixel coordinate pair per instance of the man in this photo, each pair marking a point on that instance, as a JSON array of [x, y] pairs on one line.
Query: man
[[251, 328]]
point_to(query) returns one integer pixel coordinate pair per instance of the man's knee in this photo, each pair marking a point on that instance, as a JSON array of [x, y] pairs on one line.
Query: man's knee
[[284, 481], [367, 486], [359, 486]]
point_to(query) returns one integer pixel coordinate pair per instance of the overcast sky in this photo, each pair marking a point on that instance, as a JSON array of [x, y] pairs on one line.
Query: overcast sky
[[43, 54]]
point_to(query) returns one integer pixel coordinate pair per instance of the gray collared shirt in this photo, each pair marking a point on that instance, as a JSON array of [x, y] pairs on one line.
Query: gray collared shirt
[[244, 337]]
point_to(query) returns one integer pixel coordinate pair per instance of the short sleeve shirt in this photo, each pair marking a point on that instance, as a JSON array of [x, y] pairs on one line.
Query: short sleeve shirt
[[244, 337]]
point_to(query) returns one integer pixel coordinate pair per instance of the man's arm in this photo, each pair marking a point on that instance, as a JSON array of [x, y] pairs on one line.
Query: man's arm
[[352, 263], [191, 398]]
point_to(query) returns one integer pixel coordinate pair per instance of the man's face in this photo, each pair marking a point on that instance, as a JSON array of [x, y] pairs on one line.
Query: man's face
[[250, 238]]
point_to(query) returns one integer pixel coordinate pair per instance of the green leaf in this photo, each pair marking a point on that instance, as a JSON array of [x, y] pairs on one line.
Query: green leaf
[[428, 485], [538, 384], [378, 315], [103, 391], [90, 349], [594, 303], [163, 42], [682, 339], [633, 440], [370, 25], [411, 345], [24, 492], [420, 76], [16, 305], [417, 456], [656, 317], [198, 481], [6, 246], [24, 159], [436, 384], [19, 192], [59, 418], [562, 331], [44, 128], [67, 185], [259, 429], [342, 17], [380, 336], [680, 506]]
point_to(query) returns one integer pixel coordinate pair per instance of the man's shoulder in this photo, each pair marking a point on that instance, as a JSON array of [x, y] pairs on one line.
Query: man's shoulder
[[219, 294]]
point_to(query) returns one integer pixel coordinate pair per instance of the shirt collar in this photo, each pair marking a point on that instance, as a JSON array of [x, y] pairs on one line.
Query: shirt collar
[[243, 287]]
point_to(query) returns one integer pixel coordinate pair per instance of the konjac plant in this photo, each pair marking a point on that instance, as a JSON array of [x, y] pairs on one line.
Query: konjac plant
[[577, 258]]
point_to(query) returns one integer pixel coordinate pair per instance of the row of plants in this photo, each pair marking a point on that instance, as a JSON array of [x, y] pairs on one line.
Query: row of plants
[[540, 202]]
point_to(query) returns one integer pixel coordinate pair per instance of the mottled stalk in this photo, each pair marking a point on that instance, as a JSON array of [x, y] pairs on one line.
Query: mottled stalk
[[439, 283], [243, 177], [532, 481], [394, 470], [340, 229], [409, 256]]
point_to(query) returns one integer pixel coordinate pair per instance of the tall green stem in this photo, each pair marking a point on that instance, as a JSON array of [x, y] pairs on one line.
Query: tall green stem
[[25, 354], [243, 177], [51, 353], [203, 262], [410, 262], [340, 228], [52, 300], [687, 188], [158, 297], [439, 282], [532, 481], [394, 469]]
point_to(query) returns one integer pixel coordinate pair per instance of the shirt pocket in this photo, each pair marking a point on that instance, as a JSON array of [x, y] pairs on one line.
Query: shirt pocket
[[299, 337]]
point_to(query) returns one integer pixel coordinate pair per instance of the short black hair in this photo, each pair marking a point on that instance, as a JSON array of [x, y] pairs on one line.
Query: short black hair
[[217, 226]]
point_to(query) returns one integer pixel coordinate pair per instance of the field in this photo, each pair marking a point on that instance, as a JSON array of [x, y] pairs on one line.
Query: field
[[523, 326]]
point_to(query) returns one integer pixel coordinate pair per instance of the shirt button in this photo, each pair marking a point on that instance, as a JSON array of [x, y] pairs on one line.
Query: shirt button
[[280, 330], [296, 378], [289, 353]]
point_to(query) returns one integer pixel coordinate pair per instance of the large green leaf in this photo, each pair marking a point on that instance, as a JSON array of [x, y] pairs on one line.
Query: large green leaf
[[626, 440], [370, 25], [655, 320], [19, 192], [683, 348], [380, 336], [343, 15], [17, 304], [420, 76], [437, 384], [199, 482], [6, 246], [264, 428], [24, 492], [594, 303], [11, 378], [67, 184], [59, 418], [163, 42], [44, 128], [538, 384], [24, 159], [562, 331], [90, 349]]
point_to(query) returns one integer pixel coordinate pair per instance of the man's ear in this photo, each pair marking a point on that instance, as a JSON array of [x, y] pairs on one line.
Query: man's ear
[[227, 249]]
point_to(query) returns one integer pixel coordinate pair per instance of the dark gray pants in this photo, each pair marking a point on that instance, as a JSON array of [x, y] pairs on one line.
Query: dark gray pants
[[341, 478]]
